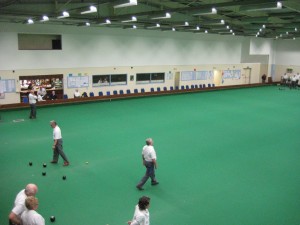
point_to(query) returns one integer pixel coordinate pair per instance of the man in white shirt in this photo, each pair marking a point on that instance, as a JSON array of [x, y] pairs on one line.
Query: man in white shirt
[[141, 214], [149, 161], [77, 94], [30, 216], [19, 204], [57, 145], [32, 101]]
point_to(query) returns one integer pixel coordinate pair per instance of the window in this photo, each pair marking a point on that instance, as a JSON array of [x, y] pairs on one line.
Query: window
[[144, 78], [157, 77], [39, 42], [117, 79], [109, 79]]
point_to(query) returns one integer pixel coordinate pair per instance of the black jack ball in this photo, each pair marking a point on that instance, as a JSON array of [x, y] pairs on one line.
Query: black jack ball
[[64, 177], [52, 218], [44, 173], [44, 165], [30, 163]]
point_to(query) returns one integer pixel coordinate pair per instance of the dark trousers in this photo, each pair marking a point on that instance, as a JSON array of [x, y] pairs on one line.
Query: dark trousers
[[59, 151], [32, 111], [150, 172]]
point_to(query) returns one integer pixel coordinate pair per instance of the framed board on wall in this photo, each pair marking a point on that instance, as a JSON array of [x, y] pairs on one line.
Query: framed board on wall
[[187, 75], [78, 81], [7, 86]]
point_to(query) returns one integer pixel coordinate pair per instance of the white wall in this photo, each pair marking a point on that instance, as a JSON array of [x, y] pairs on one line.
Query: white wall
[[98, 50], [101, 47], [287, 52]]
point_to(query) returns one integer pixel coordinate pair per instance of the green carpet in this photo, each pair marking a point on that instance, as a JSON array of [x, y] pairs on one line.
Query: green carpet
[[226, 157]]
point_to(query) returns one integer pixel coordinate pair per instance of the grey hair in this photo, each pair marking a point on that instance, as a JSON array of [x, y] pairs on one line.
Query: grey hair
[[53, 121], [149, 141], [31, 189]]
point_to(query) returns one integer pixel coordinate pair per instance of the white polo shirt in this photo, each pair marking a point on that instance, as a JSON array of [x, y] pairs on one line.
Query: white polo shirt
[[19, 204], [32, 98], [31, 217], [56, 133], [140, 217], [149, 153]]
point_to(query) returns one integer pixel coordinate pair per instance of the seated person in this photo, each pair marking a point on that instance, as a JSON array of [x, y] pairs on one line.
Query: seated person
[[53, 96], [40, 98], [42, 92], [264, 77], [84, 95], [77, 94]]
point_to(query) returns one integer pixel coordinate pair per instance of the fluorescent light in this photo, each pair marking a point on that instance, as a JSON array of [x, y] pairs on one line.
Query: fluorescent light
[[45, 18], [30, 21], [64, 15], [278, 6], [133, 19], [107, 21], [92, 9], [213, 11], [166, 16], [126, 4], [197, 28], [156, 26]]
